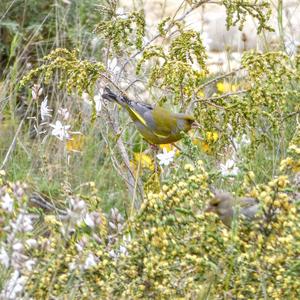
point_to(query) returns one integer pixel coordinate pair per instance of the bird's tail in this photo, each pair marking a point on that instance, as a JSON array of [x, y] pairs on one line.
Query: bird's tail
[[111, 96]]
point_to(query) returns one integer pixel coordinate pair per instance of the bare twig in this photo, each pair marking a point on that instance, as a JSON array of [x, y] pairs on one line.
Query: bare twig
[[217, 79], [128, 177], [210, 100], [13, 143]]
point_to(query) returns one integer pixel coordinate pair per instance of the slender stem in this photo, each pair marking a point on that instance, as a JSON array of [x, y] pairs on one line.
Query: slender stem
[[217, 79], [209, 100], [13, 143], [158, 35]]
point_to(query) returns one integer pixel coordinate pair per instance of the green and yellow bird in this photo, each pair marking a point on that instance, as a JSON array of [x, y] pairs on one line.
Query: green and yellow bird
[[156, 124]]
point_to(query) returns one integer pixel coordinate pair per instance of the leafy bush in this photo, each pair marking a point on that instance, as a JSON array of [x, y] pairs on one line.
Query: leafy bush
[[61, 235]]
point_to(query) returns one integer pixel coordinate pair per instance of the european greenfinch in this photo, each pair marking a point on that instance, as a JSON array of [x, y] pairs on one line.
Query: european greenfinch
[[226, 206], [156, 124]]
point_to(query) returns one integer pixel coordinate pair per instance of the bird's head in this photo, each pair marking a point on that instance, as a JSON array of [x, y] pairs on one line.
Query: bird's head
[[188, 122]]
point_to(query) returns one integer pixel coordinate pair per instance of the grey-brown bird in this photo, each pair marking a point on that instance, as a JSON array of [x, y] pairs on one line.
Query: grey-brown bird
[[226, 206]]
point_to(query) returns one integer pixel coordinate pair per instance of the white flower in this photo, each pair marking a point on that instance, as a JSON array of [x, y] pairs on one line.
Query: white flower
[[81, 244], [120, 12], [7, 203], [206, 40], [127, 239], [98, 102], [31, 243], [88, 220], [229, 168], [112, 254], [291, 45], [115, 214], [64, 113], [29, 264], [18, 247], [14, 286], [72, 266], [90, 261], [79, 247], [241, 142], [36, 91], [123, 250], [115, 254], [77, 210], [60, 130], [113, 65], [85, 97], [166, 157], [4, 258], [23, 223], [18, 260], [45, 110], [112, 225], [77, 205], [92, 219]]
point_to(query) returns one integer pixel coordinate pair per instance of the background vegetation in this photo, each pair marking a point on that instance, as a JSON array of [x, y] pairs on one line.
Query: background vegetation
[[88, 209]]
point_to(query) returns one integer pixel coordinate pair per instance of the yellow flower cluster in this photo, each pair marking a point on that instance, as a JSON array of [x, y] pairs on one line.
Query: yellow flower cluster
[[176, 250]]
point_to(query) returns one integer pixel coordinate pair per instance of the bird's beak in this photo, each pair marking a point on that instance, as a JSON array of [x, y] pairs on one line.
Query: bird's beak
[[196, 125]]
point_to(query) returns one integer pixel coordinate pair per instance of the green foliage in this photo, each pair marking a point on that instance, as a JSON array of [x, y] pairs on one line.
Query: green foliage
[[75, 73], [39, 24], [264, 107], [238, 10], [170, 249], [122, 31], [180, 68], [273, 81]]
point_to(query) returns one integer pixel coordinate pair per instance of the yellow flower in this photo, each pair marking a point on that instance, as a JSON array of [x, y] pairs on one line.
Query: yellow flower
[[282, 181], [200, 94], [51, 220], [76, 143], [212, 136], [206, 147], [225, 87], [168, 147], [144, 160]]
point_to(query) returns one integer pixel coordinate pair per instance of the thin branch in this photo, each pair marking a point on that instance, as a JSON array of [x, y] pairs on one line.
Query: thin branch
[[158, 35], [291, 114], [130, 180], [209, 100], [217, 79], [113, 83], [13, 143]]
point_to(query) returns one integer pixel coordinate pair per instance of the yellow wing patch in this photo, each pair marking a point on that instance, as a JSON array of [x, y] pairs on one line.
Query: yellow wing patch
[[161, 135], [137, 116]]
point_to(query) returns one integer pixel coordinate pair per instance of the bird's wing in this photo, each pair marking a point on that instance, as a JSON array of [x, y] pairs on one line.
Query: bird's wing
[[159, 125], [145, 114], [138, 110]]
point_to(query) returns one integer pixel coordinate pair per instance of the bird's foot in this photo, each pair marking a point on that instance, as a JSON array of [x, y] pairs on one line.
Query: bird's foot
[[154, 148], [177, 147]]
